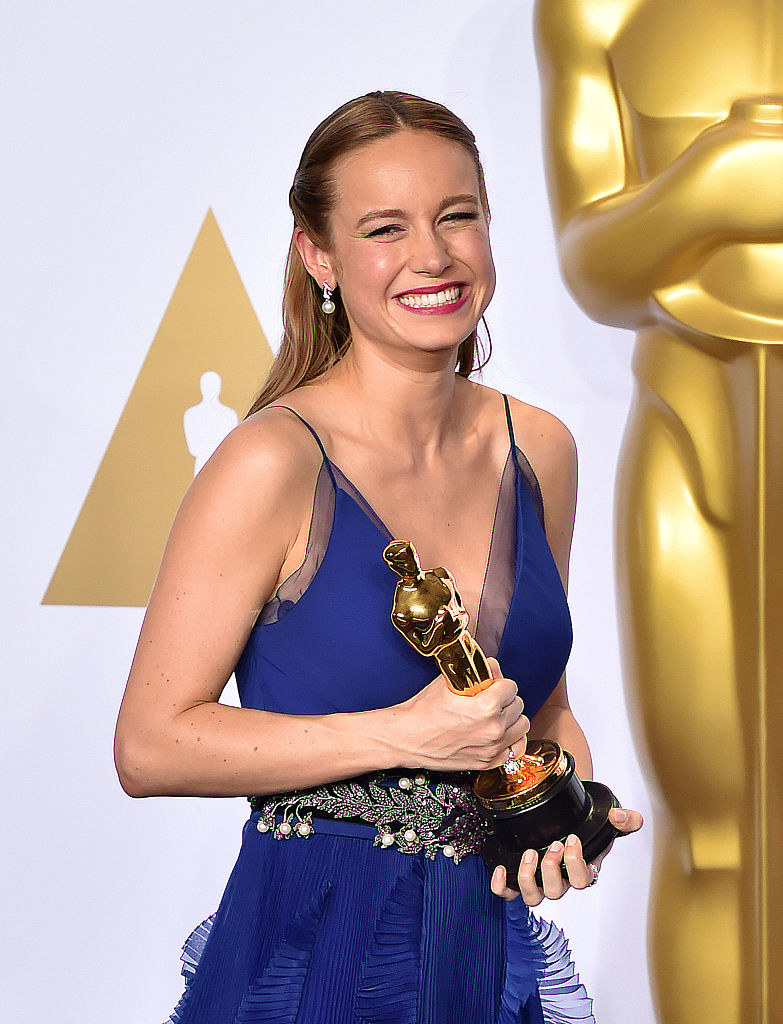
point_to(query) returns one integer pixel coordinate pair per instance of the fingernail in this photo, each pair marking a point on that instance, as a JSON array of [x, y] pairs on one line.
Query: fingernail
[[620, 816], [530, 856], [555, 847], [571, 841]]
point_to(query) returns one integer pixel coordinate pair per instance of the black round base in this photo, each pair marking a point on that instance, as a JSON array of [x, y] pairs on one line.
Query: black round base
[[577, 807]]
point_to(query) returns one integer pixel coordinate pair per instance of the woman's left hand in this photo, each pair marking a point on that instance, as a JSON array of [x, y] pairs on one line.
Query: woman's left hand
[[555, 886]]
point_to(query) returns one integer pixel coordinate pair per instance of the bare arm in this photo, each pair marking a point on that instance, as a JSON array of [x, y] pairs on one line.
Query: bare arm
[[555, 721], [621, 238], [552, 452], [220, 565], [227, 550]]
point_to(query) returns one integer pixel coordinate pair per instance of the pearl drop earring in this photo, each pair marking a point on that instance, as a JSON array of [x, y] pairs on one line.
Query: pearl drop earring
[[327, 305]]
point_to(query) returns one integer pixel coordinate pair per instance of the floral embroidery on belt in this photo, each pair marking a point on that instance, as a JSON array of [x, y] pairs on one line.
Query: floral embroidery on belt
[[411, 814]]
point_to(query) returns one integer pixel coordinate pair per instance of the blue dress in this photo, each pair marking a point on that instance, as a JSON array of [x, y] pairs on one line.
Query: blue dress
[[334, 929]]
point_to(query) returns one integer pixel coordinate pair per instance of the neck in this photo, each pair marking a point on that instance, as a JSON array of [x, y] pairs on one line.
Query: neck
[[411, 407], [409, 578]]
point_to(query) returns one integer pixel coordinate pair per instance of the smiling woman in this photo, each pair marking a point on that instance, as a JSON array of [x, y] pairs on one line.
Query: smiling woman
[[358, 894], [310, 345], [431, 225]]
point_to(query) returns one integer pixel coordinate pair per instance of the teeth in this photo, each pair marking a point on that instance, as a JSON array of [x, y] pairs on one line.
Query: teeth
[[442, 298]]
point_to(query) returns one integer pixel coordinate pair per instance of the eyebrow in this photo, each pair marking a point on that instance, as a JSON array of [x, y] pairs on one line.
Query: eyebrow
[[466, 197]]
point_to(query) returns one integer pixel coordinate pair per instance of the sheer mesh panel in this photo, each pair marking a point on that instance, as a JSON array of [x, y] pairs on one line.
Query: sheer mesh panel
[[292, 588], [498, 586], [321, 519], [499, 576], [345, 484], [530, 478]]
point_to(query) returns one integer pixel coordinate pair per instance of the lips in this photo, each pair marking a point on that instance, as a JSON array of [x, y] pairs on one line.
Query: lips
[[438, 299]]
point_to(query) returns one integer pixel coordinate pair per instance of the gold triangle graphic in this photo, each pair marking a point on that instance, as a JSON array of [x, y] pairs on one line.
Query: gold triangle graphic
[[114, 549]]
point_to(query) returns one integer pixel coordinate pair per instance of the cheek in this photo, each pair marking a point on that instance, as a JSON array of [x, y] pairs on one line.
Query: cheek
[[365, 277], [482, 252], [481, 260]]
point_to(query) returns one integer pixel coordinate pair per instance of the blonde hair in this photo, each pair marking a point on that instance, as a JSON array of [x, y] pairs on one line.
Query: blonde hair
[[312, 341]]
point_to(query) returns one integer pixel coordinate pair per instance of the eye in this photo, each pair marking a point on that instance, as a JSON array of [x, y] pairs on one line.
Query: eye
[[385, 230], [459, 215]]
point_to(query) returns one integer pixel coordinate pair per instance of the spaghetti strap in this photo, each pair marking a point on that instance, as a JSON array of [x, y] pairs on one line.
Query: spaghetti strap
[[524, 469], [318, 441], [511, 439]]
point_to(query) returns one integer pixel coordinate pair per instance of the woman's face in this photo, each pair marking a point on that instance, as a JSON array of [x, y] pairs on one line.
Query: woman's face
[[410, 244]]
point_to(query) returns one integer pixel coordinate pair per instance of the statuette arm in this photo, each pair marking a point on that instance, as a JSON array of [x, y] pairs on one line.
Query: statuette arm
[[623, 233]]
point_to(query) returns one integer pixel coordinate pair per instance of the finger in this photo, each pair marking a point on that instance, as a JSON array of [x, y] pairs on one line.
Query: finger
[[511, 707], [579, 874], [513, 716], [498, 884], [494, 667], [517, 745], [494, 699], [513, 734], [516, 734], [529, 889], [626, 821], [502, 693], [555, 886]]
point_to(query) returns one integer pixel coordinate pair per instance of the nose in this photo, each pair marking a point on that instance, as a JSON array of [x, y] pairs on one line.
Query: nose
[[429, 254]]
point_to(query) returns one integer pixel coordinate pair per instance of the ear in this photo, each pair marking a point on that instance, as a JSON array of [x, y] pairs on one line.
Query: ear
[[317, 261]]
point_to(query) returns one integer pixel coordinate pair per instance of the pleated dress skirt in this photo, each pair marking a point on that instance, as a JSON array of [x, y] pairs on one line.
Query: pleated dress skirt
[[332, 929]]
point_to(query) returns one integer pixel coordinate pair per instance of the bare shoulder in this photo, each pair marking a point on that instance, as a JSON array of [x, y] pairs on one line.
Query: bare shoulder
[[267, 463], [269, 452], [551, 450], [546, 440]]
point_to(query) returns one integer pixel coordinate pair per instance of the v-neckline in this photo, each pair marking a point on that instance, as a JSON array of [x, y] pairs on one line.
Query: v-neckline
[[375, 520]]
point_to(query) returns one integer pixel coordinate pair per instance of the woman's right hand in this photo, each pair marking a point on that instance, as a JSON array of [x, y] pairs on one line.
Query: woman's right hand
[[443, 731]]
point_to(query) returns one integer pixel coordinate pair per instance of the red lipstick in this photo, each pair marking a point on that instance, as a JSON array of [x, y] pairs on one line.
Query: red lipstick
[[443, 308]]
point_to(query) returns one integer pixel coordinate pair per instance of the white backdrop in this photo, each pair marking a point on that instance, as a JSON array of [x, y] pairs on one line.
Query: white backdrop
[[122, 125]]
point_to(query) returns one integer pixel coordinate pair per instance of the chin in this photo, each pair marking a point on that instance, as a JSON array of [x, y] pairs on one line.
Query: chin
[[445, 350]]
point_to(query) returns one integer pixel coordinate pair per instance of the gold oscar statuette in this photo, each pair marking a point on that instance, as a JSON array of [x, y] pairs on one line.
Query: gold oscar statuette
[[534, 798], [663, 139]]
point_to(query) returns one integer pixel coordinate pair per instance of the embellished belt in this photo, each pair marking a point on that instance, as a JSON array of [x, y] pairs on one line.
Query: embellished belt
[[425, 812]]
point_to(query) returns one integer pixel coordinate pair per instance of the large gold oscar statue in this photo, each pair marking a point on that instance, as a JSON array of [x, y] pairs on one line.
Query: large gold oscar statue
[[664, 143]]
